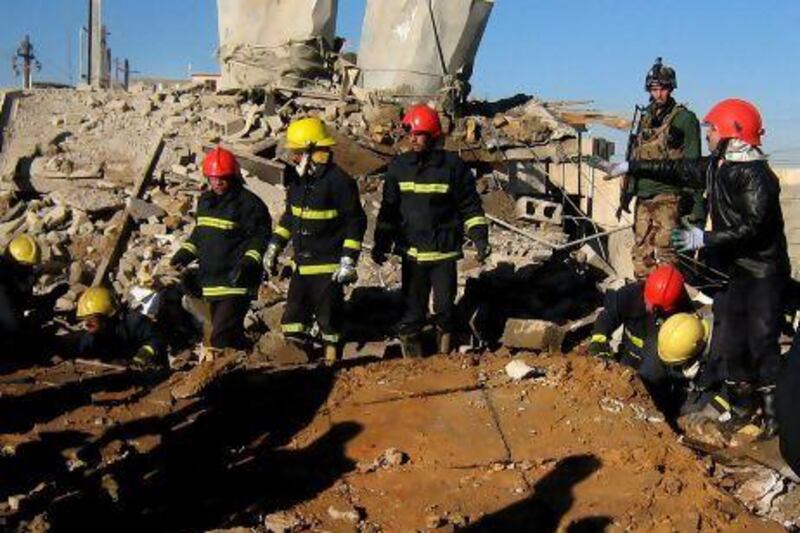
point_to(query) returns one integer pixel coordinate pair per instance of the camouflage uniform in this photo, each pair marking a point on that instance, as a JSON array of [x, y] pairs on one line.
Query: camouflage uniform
[[672, 132]]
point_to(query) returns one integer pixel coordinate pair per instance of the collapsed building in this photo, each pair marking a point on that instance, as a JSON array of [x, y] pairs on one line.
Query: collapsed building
[[108, 180]]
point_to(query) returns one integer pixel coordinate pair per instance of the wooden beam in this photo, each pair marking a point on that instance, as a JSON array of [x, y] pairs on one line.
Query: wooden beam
[[120, 243]]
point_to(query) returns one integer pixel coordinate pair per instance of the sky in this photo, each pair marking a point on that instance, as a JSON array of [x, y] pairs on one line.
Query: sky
[[595, 50]]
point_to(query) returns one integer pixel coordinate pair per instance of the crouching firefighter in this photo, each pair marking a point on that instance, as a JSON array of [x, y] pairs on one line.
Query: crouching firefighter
[[429, 203], [113, 333], [640, 308], [229, 240], [326, 224]]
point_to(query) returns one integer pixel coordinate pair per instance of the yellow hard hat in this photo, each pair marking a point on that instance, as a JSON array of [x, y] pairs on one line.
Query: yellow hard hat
[[96, 301], [681, 337], [25, 250], [307, 133]]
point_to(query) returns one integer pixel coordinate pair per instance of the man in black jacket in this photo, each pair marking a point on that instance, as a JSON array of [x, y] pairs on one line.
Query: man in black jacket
[[429, 203], [229, 240], [747, 240], [326, 223]]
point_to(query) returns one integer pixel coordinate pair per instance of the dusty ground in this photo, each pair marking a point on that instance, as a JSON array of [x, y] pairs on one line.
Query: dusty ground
[[580, 449]]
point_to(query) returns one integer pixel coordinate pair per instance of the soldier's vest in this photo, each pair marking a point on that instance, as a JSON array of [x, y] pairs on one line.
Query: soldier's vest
[[653, 142]]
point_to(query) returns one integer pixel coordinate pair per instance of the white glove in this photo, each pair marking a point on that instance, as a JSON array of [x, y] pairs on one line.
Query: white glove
[[689, 239], [271, 258], [614, 170], [346, 273]]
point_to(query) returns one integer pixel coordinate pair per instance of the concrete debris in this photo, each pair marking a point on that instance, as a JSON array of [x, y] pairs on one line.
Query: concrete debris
[[91, 201], [518, 370], [351, 514], [533, 335], [391, 458], [283, 522]]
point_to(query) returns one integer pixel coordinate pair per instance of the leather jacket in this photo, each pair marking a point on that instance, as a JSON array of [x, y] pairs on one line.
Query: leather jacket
[[747, 232]]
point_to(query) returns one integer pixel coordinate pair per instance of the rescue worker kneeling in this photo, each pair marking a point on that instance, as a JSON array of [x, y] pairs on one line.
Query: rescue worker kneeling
[[22, 313], [114, 333], [325, 221], [429, 203], [640, 308], [231, 234]]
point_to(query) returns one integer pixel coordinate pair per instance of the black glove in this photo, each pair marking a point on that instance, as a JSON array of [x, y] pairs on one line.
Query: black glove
[[484, 250], [601, 349], [248, 273], [625, 199], [190, 284], [181, 258]]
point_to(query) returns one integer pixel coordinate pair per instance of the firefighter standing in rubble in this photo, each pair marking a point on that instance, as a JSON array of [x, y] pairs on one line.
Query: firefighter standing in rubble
[[667, 130], [429, 203], [746, 242], [325, 221], [229, 241]]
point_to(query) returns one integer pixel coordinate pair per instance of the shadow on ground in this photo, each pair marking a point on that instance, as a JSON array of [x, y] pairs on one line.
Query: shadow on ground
[[226, 460], [552, 498]]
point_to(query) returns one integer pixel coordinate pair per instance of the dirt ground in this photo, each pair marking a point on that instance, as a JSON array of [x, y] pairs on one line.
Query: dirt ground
[[447, 443]]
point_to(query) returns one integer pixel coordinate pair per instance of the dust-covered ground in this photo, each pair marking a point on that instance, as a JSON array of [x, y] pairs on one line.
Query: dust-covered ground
[[398, 445]]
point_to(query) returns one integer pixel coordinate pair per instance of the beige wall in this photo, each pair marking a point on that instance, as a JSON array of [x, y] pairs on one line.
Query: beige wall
[[790, 203]]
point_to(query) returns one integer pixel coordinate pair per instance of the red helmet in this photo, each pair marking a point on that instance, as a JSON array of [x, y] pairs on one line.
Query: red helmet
[[422, 119], [738, 119], [664, 288], [220, 163]]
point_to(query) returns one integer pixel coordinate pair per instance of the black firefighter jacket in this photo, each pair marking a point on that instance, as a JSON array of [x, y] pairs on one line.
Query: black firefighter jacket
[[429, 203], [746, 237], [230, 229], [323, 219]]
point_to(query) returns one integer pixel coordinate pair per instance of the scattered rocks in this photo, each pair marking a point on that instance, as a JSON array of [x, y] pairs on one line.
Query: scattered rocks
[[391, 458]]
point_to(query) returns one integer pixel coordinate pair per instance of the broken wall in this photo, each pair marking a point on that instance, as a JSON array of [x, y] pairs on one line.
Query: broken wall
[[399, 49], [265, 41]]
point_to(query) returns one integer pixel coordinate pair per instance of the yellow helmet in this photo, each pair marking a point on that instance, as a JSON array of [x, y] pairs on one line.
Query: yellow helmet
[[681, 337], [307, 133], [25, 250], [96, 301]]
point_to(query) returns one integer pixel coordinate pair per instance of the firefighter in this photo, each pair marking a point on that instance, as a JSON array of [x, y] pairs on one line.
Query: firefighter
[[22, 313], [429, 204], [640, 308], [229, 241], [667, 130], [111, 333], [746, 242], [325, 222]]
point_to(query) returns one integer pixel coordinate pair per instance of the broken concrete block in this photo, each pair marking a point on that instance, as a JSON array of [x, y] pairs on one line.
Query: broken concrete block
[[143, 210], [350, 514], [532, 334], [180, 170], [55, 217], [518, 369], [151, 230], [89, 200], [283, 522], [275, 123], [227, 123], [533, 209]]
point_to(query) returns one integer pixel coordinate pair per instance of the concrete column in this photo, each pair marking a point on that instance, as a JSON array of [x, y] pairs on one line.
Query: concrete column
[[97, 53]]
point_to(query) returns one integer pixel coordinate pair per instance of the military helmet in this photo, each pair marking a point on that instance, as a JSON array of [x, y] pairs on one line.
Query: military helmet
[[662, 75]]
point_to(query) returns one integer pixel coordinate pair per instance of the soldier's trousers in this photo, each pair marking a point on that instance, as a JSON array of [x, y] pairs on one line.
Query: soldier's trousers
[[654, 221], [314, 297], [418, 281], [746, 340]]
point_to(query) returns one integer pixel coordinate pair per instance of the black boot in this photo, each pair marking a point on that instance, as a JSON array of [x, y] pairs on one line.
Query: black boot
[[768, 413], [412, 345], [740, 395], [443, 341]]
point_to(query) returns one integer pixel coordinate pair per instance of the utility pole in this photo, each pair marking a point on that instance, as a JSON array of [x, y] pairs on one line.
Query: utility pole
[[29, 62]]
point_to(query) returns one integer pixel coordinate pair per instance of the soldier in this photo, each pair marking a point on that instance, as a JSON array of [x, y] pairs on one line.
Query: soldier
[[667, 130], [429, 203], [326, 224]]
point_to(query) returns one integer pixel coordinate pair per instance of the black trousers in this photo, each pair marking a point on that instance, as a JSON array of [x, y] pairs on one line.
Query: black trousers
[[750, 316], [227, 322], [314, 297], [418, 281]]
